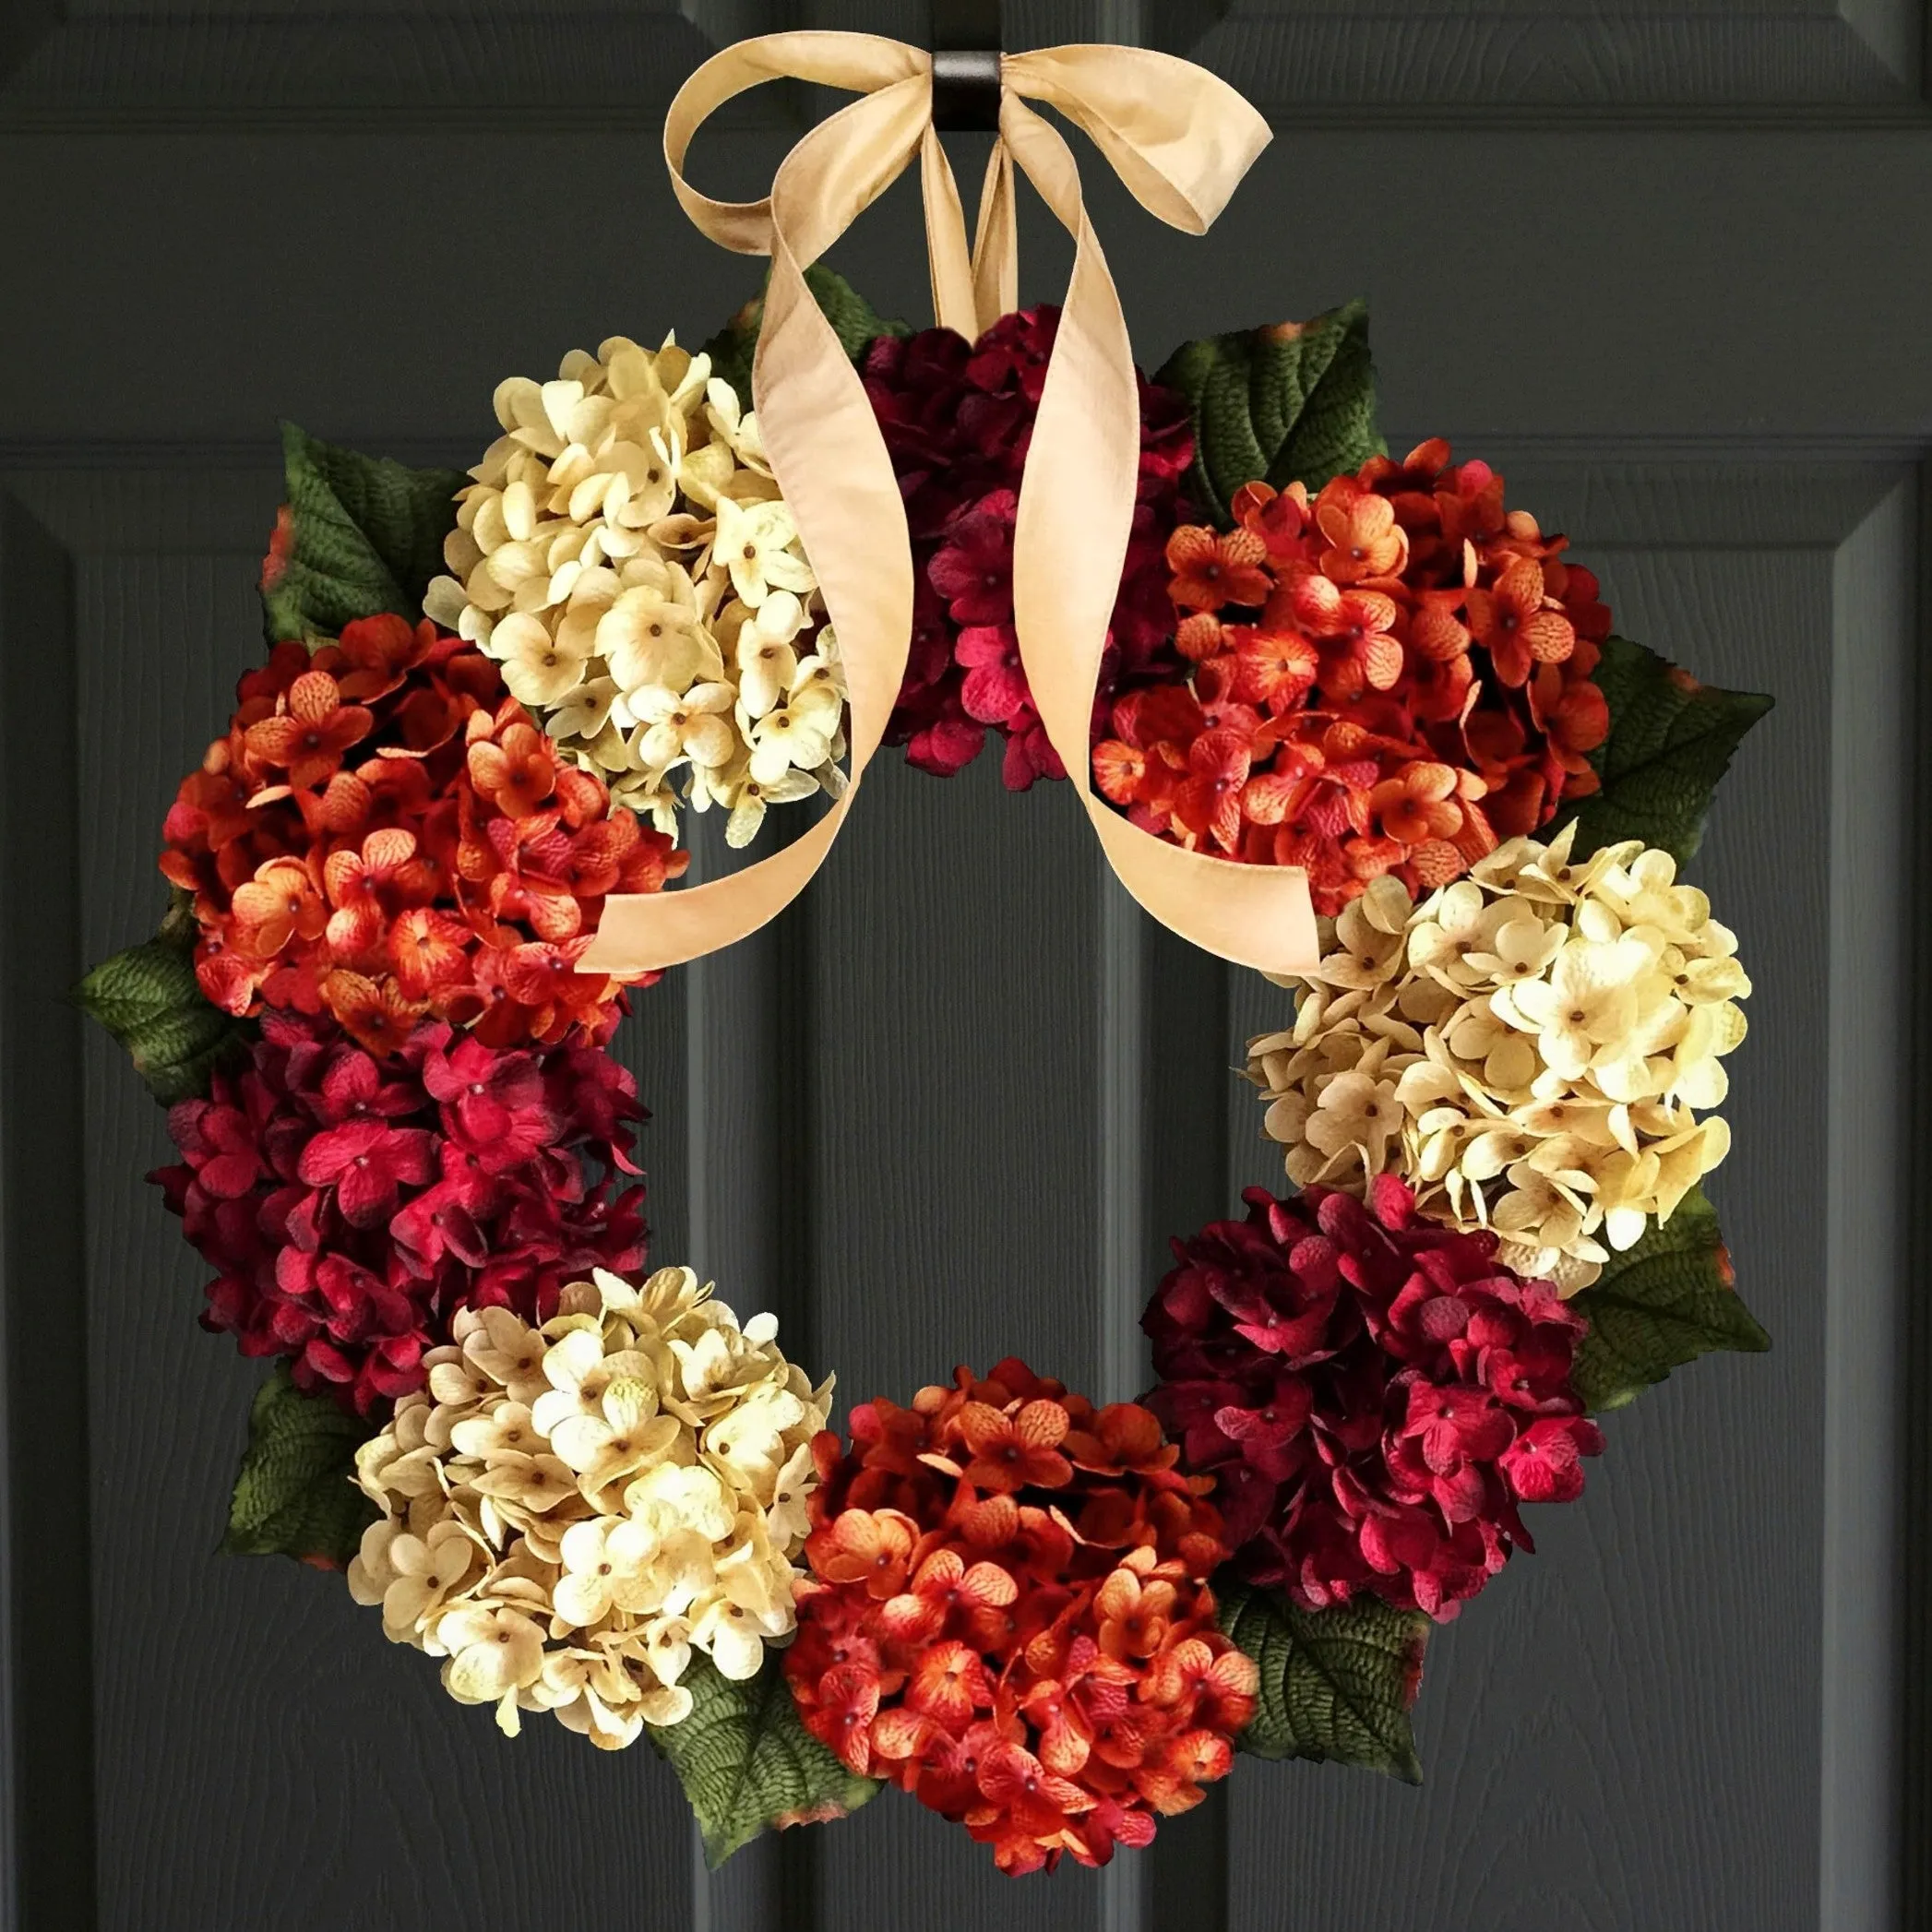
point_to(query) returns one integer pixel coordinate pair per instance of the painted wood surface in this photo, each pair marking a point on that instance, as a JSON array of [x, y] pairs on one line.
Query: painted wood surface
[[525, 59], [953, 1105]]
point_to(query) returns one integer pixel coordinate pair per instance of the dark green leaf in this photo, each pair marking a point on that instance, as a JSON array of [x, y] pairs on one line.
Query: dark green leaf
[[296, 1494], [148, 999], [1292, 402], [1671, 739], [366, 535], [1660, 1304], [854, 320], [746, 1761], [1335, 1684]]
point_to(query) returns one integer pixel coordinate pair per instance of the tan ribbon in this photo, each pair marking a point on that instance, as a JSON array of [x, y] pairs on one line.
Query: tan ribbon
[[1181, 140]]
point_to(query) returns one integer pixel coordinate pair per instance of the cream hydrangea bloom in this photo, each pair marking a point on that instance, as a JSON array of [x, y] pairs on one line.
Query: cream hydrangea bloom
[[624, 553], [569, 1511], [1531, 1047]]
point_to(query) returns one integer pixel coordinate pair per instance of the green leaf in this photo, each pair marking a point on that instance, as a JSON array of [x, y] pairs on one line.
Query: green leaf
[[296, 1494], [746, 1760], [854, 320], [366, 535], [149, 999], [1295, 402], [1335, 1684], [1671, 740], [1658, 1306]]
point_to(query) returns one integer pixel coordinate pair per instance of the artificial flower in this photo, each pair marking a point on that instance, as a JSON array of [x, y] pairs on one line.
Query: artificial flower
[[1008, 1615], [383, 836], [353, 1201], [622, 551], [1532, 1047], [1391, 678], [1374, 1395], [572, 1507], [957, 419]]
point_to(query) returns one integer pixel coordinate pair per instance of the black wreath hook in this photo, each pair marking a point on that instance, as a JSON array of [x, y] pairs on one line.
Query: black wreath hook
[[966, 48]]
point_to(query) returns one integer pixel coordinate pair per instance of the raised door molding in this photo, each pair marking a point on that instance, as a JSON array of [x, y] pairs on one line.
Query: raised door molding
[[1519, 58], [1586, 1725], [571, 60]]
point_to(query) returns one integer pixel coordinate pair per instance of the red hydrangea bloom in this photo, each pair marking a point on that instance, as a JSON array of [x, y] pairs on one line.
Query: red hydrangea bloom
[[384, 835], [1009, 1616], [351, 1203], [1392, 678], [1374, 1394], [957, 419]]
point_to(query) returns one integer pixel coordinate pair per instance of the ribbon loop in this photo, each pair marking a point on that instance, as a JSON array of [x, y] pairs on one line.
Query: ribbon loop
[[1181, 139]]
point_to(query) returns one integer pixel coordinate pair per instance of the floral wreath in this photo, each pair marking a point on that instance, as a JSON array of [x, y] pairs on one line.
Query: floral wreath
[[406, 1152]]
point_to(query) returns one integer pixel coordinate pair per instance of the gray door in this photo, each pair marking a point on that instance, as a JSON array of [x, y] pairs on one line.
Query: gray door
[[1666, 263]]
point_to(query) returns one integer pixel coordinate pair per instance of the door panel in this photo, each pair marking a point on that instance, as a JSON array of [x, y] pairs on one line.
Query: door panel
[[1665, 266], [1654, 1686]]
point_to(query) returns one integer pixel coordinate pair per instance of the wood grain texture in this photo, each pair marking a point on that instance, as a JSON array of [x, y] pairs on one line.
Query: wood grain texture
[[749, 1068], [47, 1814], [1625, 1730], [1162, 1125]]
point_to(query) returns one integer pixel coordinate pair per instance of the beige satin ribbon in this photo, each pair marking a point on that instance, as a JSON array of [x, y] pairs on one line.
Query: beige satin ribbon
[[1181, 140]]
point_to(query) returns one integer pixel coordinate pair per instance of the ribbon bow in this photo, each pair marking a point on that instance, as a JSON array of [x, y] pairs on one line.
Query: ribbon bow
[[1181, 139]]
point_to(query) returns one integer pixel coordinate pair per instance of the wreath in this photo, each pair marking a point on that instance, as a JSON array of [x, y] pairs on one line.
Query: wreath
[[489, 704]]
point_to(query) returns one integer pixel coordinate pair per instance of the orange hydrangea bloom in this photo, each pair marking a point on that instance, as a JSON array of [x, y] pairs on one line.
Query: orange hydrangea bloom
[[1008, 1615], [458, 870], [1213, 571], [1512, 619], [309, 734], [1363, 540], [1417, 688], [279, 903]]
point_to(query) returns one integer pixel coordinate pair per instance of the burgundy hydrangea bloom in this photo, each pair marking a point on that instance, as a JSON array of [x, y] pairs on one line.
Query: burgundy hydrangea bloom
[[1373, 1393], [957, 418], [352, 1206]]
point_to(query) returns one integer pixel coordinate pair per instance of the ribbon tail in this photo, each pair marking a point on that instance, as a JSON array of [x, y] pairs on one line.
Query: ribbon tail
[[995, 243], [1076, 513], [833, 471], [955, 301]]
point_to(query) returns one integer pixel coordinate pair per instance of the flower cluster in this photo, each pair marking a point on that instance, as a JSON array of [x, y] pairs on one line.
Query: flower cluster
[[570, 1511], [352, 1204], [1009, 1616], [1528, 1047], [625, 556], [1386, 681], [957, 418], [382, 835], [1374, 1395]]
